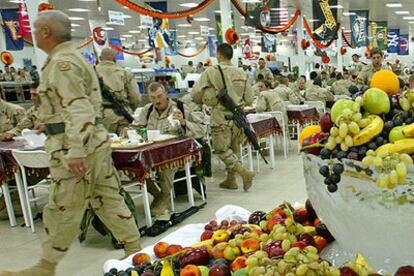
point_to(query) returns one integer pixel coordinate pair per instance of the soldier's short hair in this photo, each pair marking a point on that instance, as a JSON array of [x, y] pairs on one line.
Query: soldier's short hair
[[260, 77], [317, 81], [154, 86], [225, 50], [313, 75], [266, 83], [58, 22], [376, 51]]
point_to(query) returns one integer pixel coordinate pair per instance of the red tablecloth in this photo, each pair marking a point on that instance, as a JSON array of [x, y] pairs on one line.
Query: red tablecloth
[[266, 127], [156, 157], [303, 116]]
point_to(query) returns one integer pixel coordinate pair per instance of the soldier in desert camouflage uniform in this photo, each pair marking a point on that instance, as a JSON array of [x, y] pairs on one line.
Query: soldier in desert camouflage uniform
[[10, 115]]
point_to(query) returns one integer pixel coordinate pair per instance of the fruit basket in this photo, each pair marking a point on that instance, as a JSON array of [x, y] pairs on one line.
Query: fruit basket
[[362, 217]]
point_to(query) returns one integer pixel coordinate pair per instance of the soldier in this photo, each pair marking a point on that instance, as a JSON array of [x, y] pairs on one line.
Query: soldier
[[298, 91], [324, 78], [365, 76], [316, 93], [155, 116], [8, 76], [10, 115], [357, 65], [188, 69], [29, 120], [341, 86], [226, 136], [122, 85], [270, 100], [283, 90], [263, 70], [81, 166]]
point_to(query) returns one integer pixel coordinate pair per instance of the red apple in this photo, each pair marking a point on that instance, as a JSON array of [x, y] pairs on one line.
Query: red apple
[[160, 249], [326, 122], [312, 144], [273, 221], [139, 258], [195, 256], [346, 271], [307, 238], [405, 271], [300, 215], [206, 235], [274, 249], [309, 209], [173, 249], [323, 231], [219, 270], [299, 244]]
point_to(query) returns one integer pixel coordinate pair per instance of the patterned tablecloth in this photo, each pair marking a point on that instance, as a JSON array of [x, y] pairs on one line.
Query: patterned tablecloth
[[304, 115], [266, 127], [139, 162]]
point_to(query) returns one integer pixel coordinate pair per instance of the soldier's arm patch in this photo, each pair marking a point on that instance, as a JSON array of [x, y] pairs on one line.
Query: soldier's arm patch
[[64, 66]]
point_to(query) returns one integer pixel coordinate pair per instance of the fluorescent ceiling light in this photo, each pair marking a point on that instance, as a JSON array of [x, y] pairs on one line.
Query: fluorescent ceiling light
[[211, 29], [76, 18], [184, 25], [202, 19], [123, 38], [14, 1], [336, 7], [199, 38], [410, 22], [126, 35], [402, 12], [189, 5], [78, 10], [134, 32], [72, 30], [348, 13], [74, 25], [313, 20], [217, 11], [394, 5], [408, 17], [193, 33], [181, 36], [107, 28], [142, 40]]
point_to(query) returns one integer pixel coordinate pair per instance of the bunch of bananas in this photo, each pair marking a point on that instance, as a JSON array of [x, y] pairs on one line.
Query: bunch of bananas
[[373, 129]]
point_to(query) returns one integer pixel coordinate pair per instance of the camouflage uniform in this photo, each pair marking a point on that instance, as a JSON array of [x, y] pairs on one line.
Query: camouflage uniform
[[10, 115], [295, 96], [123, 86], [69, 95], [9, 76], [267, 74], [356, 68], [317, 93], [270, 100], [156, 121], [187, 69], [365, 76], [340, 87], [283, 91], [28, 121], [226, 136]]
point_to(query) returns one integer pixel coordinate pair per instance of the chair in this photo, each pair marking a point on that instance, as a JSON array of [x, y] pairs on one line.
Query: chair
[[36, 159], [9, 205]]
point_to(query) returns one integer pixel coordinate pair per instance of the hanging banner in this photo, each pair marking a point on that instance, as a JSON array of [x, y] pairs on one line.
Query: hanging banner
[[14, 40], [24, 19], [268, 43], [204, 31], [325, 25], [359, 28], [260, 16], [247, 48], [212, 46], [219, 29], [403, 50], [160, 6], [116, 18], [171, 50], [98, 34], [379, 35], [118, 43], [393, 41]]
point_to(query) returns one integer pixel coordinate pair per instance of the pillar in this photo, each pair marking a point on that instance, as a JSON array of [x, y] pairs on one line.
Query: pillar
[[225, 7], [340, 44], [301, 52], [39, 56]]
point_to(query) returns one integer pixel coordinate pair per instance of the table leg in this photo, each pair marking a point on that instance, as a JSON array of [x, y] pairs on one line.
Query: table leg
[[272, 151], [147, 209], [22, 197], [298, 133], [250, 156], [189, 184], [9, 204]]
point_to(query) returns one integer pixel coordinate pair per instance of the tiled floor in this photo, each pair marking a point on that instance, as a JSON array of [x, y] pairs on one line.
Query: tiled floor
[[19, 248]]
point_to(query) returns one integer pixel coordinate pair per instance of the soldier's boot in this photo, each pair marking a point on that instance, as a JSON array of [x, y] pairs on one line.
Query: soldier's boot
[[230, 182], [246, 175], [162, 207], [131, 248], [17, 210], [43, 268]]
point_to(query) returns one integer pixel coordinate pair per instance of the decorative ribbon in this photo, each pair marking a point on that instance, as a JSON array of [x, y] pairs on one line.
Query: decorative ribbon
[[243, 12], [317, 42], [196, 53], [140, 54], [166, 15], [347, 41]]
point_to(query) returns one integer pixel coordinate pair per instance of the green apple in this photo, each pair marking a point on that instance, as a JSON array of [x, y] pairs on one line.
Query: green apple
[[241, 272], [204, 270], [376, 101], [396, 134], [339, 107]]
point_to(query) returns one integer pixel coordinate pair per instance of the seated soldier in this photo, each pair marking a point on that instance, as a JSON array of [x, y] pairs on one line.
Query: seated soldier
[[341, 86], [10, 115], [297, 92], [315, 92], [283, 89], [269, 100], [155, 116]]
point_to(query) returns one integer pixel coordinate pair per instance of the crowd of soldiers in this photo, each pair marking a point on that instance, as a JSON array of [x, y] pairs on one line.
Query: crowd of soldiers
[[10, 74]]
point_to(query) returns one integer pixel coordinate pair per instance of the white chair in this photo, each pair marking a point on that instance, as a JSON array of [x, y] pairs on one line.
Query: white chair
[[131, 188], [9, 205], [36, 159], [319, 105]]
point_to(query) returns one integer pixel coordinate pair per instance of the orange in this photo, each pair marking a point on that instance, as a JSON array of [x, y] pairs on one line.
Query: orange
[[308, 131], [386, 80]]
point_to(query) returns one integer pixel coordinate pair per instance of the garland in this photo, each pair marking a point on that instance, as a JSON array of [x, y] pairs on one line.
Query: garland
[[346, 41], [120, 50], [243, 12], [166, 15], [317, 43], [196, 53], [86, 42]]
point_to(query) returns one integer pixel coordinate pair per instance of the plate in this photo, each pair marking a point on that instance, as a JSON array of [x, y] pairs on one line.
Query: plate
[[164, 137], [128, 144]]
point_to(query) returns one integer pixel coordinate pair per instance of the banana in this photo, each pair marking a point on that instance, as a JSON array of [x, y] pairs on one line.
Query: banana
[[386, 147], [408, 131], [166, 269], [368, 133], [403, 146], [203, 243]]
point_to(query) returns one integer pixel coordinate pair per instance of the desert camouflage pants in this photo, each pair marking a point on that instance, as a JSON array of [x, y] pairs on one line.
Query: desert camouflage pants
[[70, 195], [113, 122], [226, 142]]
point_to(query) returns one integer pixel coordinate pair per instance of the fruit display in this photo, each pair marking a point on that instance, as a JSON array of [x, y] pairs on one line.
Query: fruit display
[[285, 241]]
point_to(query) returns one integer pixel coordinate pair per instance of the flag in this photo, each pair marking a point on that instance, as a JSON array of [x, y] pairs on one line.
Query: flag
[[171, 49], [379, 35], [14, 39], [325, 25], [393, 41], [263, 14], [404, 45], [24, 19], [359, 28]]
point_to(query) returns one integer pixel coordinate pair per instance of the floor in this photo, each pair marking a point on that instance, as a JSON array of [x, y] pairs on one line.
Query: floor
[[20, 248]]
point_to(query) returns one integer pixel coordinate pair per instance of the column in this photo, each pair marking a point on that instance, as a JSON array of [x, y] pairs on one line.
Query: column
[[39, 56], [225, 7], [301, 53], [339, 43]]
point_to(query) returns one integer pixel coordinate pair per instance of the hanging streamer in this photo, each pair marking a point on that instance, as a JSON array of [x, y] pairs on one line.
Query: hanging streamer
[[243, 12], [140, 54], [196, 53], [317, 43], [166, 15]]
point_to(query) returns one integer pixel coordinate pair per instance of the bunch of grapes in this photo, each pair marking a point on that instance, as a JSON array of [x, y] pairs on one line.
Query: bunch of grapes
[[391, 166], [332, 175], [348, 124]]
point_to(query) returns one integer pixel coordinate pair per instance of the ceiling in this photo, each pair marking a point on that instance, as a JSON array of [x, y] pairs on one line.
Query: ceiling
[[139, 37]]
